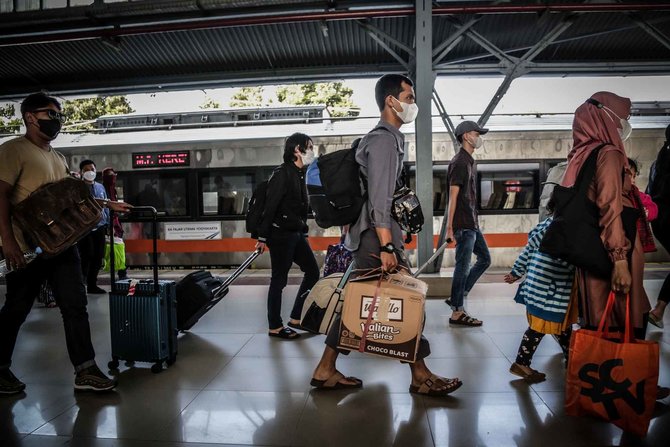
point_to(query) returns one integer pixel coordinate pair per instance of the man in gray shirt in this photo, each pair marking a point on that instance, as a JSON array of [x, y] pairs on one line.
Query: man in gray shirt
[[375, 238]]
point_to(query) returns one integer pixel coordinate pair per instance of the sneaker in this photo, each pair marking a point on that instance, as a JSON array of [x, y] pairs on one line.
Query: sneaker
[[9, 384], [92, 379]]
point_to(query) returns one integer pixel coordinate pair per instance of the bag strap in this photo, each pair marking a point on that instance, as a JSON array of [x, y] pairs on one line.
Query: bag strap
[[603, 329], [373, 304], [588, 171]]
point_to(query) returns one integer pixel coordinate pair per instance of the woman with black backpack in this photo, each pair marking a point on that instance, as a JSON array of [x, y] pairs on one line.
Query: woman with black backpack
[[659, 190], [283, 228]]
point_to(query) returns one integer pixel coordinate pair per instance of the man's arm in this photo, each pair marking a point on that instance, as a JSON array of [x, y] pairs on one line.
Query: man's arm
[[453, 197], [10, 248]]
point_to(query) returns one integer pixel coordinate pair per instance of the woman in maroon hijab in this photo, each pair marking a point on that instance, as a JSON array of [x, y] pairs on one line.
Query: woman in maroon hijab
[[603, 118], [109, 182]]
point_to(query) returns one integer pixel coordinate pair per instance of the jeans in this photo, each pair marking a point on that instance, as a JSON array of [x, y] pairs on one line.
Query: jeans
[[64, 275], [364, 259], [468, 242], [287, 247], [92, 250]]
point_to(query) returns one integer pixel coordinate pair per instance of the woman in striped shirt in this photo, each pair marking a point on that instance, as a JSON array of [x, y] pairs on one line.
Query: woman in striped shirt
[[546, 292]]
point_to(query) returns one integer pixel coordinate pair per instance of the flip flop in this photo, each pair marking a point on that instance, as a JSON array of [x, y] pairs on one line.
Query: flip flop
[[653, 319], [427, 387], [296, 326], [286, 334], [333, 382], [465, 320]]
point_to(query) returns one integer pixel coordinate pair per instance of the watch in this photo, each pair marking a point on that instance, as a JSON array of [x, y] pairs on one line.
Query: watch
[[388, 248]]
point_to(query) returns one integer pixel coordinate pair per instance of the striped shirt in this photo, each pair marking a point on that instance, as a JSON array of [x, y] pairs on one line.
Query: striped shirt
[[546, 289]]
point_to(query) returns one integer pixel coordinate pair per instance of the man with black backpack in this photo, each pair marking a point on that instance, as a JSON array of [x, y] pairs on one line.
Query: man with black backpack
[[282, 226], [375, 238]]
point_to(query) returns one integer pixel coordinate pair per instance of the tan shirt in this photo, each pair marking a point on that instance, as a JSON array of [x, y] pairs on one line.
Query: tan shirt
[[27, 167]]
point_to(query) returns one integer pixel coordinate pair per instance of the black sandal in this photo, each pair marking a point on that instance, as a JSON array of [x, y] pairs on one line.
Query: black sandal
[[286, 333], [466, 320]]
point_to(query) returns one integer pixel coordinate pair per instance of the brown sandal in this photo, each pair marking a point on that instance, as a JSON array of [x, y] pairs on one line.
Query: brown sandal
[[533, 377], [333, 382], [431, 386]]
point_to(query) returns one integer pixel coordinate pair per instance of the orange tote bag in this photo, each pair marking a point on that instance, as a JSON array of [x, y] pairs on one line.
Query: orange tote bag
[[612, 377]]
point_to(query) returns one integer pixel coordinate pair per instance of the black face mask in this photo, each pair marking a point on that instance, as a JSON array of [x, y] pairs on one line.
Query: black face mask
[[50, 128]]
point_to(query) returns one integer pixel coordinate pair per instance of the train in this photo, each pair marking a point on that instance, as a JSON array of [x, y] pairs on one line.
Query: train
[[199, 170]]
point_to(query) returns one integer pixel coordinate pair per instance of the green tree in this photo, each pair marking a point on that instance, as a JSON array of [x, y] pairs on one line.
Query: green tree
[[334, 95], [8, 122], [210, 104], [86, 110], [247, 97]]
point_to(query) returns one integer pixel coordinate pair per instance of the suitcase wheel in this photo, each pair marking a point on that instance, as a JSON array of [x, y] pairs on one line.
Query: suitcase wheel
[[113, 364], [157, 367]]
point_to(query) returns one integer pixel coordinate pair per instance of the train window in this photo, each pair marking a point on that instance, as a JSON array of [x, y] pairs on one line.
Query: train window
[[507, 186], [226, 193], [439, 186], [167, 192]]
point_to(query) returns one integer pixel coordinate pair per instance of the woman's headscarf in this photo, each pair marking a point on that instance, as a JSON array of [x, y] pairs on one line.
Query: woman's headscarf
[[109, 182], [593, 126]]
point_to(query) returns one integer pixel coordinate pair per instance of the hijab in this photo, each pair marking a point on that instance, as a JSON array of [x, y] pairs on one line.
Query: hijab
[[109, 182], [593, 126]]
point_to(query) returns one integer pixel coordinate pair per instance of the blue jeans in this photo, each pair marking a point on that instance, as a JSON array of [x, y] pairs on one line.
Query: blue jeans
[[287, 247], [467, 243]]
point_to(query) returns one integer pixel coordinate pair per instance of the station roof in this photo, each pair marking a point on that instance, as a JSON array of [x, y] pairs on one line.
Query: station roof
[[109, 47]]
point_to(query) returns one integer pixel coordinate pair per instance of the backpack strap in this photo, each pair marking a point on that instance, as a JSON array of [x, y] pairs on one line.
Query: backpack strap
[[588, 171]]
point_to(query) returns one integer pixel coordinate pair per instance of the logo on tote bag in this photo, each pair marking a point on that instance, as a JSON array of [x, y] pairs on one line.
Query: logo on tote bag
[[607, 390]]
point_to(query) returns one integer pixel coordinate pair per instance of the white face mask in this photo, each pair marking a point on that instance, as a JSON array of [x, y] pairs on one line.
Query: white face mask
[[479, 142], [626, 130], [408, 113], [307, 157], [89, 175]]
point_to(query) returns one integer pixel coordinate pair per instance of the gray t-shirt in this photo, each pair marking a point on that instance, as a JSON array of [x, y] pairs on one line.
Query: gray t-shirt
[[380, 154]]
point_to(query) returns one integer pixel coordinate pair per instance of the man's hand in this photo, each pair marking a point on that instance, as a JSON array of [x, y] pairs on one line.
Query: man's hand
[[119, 207], [510, 278], [450, 235], [621, 279], [13, 254], [260, 246], [389, 261]]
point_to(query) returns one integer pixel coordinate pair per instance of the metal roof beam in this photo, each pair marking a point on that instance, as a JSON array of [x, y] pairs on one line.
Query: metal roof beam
[[389, 50], [381, 34], [522, 67], [651, 30], [449, 43]]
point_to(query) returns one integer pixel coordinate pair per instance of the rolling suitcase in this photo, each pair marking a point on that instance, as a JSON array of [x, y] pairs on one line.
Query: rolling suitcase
[[199, 291], [143, 315]]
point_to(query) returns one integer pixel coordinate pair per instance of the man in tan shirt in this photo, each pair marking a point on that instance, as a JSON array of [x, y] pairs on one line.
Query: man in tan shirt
[[26, 163]]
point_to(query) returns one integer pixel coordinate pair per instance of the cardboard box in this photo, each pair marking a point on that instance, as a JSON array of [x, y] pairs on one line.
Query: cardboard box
[[397, 322]]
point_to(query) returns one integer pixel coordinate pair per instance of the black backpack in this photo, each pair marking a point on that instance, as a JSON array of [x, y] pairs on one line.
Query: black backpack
[[256, 208], [334, 188]]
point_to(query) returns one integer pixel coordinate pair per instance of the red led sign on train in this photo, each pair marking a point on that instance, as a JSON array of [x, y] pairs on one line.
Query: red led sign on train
[[161, 159]]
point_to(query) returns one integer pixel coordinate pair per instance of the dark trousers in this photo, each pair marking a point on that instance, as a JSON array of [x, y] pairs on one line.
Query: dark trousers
[[64, 275], [467, 243], [92, 250], [287, 247], [364, 259]]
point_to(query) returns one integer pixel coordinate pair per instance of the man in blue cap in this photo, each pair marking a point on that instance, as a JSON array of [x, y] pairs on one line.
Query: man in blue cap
[[462, 221]]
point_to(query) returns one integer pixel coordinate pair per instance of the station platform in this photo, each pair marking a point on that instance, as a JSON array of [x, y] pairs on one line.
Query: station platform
[[232, 385]]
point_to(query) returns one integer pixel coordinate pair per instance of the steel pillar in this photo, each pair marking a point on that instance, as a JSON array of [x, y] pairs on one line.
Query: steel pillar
[[424, 83]]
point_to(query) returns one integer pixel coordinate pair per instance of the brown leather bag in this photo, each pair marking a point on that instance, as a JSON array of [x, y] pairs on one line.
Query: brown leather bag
[[57, 215]]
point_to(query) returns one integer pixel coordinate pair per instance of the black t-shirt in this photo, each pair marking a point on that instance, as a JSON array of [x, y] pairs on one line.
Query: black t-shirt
[[462, 172]]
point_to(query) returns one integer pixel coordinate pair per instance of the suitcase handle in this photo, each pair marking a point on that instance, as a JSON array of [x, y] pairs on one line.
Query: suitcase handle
[[154, 237]]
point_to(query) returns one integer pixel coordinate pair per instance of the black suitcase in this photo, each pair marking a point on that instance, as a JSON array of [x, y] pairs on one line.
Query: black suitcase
[[143, 315], [199, 291]]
